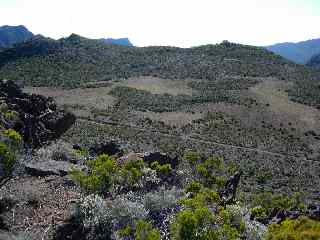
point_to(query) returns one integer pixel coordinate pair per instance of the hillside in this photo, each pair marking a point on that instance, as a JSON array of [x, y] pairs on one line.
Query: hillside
[[299, 52], [314, 61], [10, 35], [118, 41]]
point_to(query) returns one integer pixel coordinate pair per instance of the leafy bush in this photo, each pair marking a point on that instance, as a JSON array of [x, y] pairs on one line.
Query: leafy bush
[[194, 225], [145, 231], [101, 176], [10, 142], [300, 229], [211, 172], [258, 212], [268, 201], [131, 171], [163, 170], [194, 187], [13, 136]]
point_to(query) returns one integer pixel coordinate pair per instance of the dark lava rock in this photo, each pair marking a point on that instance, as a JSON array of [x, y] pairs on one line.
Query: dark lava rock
[[39, 118], [228, 193], [162, 158], [109, 148]]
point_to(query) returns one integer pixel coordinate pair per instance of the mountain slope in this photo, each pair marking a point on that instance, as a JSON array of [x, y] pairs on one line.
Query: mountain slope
[[76, 60], [314, 61], [10, 35], [299, 52], [119, 41]]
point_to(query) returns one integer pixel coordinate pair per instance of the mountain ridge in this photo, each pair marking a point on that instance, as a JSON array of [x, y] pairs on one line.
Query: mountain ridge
[[10, 35], [299, 52]]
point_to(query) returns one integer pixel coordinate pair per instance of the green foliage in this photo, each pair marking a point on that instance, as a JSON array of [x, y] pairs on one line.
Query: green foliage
[[258, 212], [10, 142], [11, 115], [194, 187], [126, 231], [7, 157], [299, 229], [163, 170], [14, 136], [211, 171], [101, 175], [132, 171], [268, 201], [194, 225], [201, 199], [145, 231]]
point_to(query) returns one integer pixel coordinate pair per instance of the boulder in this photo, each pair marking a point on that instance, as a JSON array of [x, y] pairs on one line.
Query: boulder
[[228, 193], [39, 119], [49, 167], [110, 148], [162, 158]]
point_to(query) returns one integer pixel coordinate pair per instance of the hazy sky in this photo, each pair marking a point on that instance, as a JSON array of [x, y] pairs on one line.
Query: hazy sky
[[169, 22]]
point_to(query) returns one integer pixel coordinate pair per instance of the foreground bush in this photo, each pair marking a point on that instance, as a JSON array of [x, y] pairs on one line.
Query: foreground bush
[[101, 175], [299, 229], [10, 143]]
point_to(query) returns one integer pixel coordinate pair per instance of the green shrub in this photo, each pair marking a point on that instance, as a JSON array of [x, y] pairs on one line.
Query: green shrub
[[163, 170], [268, 201], [194, 187], [7, 157], [258, 212], [299, 229], [131, 171], [14, 136], [101, 175], [194, 225], [211, 172], [145, 231]]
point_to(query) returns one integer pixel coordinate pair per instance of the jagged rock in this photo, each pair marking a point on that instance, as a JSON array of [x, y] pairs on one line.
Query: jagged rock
[[39, 119], [109, 148], [313, 212], [162, 158], [49, 167], [228, 193]]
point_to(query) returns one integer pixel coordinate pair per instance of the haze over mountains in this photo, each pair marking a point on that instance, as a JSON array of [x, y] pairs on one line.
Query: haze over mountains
[[9, 35], [300, 52]]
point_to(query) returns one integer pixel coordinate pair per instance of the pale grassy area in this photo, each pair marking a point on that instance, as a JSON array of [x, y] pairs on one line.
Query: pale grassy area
[[158, 85], [272, 92], [97, 98]]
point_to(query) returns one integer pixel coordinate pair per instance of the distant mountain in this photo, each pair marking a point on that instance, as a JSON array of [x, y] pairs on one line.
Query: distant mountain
[[314, 61], [10, 35], [299, 52], [118, 41]]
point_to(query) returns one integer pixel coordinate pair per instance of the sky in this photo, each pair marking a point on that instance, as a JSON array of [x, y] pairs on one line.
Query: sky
[[181, 23]]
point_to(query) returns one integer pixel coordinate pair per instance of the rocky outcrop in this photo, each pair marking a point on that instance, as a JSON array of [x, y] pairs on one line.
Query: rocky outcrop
[[162, 158], [39, 119], [49, 167], [110, 148], [228, 193]]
